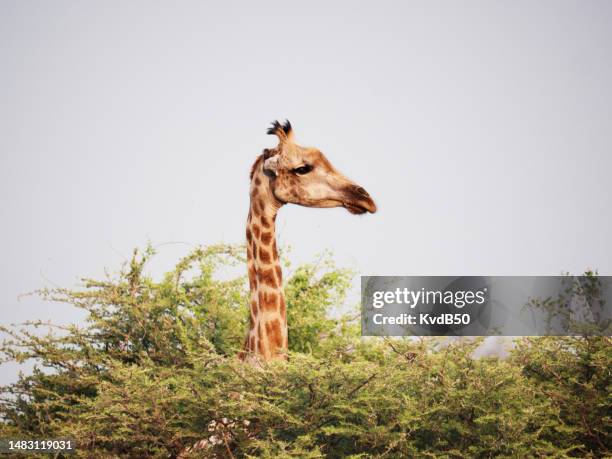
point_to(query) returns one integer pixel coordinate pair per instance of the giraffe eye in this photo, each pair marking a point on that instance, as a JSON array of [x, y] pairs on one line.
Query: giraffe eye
[[302, 170]]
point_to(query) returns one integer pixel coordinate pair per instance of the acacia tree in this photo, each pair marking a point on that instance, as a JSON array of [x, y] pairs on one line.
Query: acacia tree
[[153, 370]]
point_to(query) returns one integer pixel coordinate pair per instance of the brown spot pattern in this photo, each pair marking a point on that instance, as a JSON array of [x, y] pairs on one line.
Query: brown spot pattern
[[266, 237], [256, 230], [260, 297], [268, 339], [269, 303], [266, 276], [283, 308], [279, 274], [275, 333], [264, 255], [252, 278]]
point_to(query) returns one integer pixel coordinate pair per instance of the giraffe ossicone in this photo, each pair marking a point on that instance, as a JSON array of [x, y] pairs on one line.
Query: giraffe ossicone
[[287, 174]]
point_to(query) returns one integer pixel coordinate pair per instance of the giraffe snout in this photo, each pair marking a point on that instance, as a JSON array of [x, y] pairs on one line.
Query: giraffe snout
[[358, 200]]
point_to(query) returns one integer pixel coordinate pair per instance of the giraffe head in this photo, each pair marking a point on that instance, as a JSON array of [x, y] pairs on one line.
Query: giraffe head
[[304, 176]]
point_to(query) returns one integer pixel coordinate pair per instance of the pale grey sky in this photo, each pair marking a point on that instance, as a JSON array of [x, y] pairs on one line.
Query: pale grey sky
[[483, 130]]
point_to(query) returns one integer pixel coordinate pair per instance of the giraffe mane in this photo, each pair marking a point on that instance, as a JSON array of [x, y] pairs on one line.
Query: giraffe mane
[[254, 166]]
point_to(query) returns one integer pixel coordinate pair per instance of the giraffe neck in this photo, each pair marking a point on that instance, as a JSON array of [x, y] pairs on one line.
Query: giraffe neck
[[267, 337]]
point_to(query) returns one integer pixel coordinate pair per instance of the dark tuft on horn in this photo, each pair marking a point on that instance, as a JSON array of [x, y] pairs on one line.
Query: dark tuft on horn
[[276, 126], [280, 130], [287, 127]]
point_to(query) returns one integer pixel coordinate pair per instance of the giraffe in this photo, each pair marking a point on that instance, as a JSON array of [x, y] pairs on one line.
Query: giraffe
[[287, 174]]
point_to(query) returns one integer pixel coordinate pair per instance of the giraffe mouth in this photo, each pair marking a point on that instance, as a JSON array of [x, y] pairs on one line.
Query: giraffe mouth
[[355, 209], [359, 208]]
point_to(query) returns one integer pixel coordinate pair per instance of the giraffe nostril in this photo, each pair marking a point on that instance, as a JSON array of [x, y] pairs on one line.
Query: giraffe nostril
[[362, 192]]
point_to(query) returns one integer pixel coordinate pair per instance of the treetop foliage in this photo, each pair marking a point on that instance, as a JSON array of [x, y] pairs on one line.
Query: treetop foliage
[[153, 371]]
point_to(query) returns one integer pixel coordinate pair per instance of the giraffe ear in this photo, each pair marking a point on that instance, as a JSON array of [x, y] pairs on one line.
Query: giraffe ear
[[270, 165]]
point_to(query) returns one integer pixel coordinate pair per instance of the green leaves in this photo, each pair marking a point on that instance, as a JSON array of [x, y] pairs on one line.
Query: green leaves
[[311, 291], [153, 371]]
